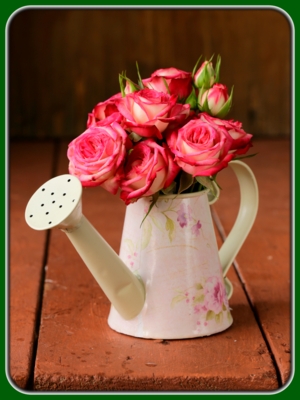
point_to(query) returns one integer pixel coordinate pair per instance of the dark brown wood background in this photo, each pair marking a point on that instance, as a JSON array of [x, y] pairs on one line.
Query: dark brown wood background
[[64, 61]]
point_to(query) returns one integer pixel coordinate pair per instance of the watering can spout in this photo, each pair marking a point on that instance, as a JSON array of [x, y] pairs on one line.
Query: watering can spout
[[57, 203]]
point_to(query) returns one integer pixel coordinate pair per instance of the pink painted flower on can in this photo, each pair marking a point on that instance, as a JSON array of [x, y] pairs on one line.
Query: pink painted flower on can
[[197, 309], [215, 295], [196, 228], [184, 215], [170, 80], [96, 156], [149, 168], [241, 140], [148, 112], [200, 148]]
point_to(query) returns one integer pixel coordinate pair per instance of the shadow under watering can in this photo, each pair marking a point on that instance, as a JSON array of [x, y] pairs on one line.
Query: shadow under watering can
[[169, 281]]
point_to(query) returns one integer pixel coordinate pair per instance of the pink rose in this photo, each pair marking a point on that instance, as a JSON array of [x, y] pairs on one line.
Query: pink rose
[[148, 169], [148, 112], [178, 82], [200, 148], [178, 115], [215, 100], [105, 113], [97, 156], [241, 140]]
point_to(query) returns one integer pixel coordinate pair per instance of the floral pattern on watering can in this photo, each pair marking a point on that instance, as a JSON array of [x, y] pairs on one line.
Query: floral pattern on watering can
[[175, 253]]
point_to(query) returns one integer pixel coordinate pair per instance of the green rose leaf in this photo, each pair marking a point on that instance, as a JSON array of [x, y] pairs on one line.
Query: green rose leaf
[[121, 83], [170, 189], [166, 85], [135, 137], [247, 156], [195, 67], [204, 107], [140, 82], [186, 181], [217, 68], [155, 197], [226, 107], [208, 183], [192, 99]]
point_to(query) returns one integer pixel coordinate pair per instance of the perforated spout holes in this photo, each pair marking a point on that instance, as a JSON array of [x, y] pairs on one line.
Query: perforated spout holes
[[53, 202]]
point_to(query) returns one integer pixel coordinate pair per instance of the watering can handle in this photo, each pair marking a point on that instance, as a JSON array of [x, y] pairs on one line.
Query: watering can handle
[[244, 221]]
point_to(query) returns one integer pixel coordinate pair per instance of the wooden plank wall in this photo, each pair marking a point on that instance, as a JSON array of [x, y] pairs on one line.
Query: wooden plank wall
[[64, 61]]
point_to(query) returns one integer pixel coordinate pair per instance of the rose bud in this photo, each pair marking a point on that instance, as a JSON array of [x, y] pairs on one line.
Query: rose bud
[[130, 87], [205, 77], [215, 101], [96, 157], [148, 169], [200, 148]]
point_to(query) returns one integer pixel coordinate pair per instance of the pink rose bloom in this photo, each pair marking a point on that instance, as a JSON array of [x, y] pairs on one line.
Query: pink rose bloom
[[148, 112], [148, 169], [216, 98], [105, 113], [200, 148], [241, 140], [179, 115], [215, 296], [179, 82], [97, 156]]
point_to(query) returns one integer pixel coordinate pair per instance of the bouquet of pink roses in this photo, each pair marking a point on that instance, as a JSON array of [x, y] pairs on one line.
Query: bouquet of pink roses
[[163, 135]]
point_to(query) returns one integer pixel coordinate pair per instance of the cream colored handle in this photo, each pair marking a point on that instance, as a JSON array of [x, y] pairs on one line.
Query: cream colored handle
[[124, 289], [244, 221]]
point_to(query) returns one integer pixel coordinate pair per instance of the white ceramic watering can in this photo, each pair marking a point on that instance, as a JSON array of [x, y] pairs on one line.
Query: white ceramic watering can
[[169, 281]]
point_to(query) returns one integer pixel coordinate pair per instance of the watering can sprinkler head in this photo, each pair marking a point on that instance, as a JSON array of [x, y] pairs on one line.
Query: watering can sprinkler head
[[57, 203]]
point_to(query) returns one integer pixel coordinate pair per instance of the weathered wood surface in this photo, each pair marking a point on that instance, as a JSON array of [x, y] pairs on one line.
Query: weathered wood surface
[[264, 263], [71, 60], [30, 166], [76, 349]]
